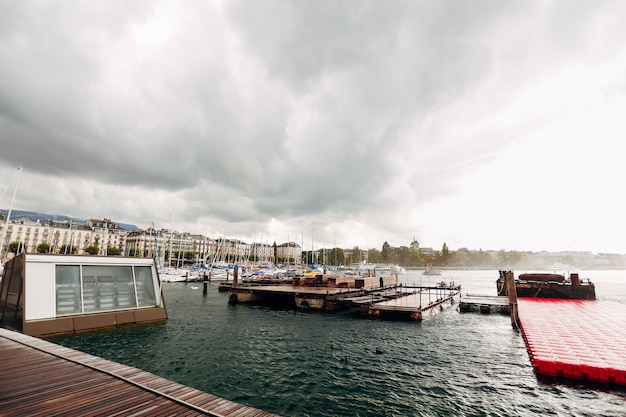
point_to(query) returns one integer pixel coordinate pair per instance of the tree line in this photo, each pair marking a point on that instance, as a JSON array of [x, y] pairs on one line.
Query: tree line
[[412, 257]]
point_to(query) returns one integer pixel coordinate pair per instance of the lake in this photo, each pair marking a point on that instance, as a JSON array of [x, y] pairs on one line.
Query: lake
[[296, 363]]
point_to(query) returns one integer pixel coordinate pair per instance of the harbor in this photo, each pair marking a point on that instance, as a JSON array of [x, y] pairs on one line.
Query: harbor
[[292, 362]]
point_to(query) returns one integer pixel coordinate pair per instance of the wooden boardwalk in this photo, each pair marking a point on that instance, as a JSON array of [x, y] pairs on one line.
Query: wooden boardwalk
[[38, 377]]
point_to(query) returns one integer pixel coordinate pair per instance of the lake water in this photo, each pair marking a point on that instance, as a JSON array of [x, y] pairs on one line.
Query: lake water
[[317, 364]]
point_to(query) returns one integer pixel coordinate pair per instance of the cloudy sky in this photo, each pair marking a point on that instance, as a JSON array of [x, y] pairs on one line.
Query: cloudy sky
[[481, 124]]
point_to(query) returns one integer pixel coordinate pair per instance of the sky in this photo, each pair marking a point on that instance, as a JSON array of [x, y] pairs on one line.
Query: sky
[[493, 125]]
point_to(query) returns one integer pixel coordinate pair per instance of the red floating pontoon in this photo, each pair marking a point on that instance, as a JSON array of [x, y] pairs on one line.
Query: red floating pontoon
[[579, 339]]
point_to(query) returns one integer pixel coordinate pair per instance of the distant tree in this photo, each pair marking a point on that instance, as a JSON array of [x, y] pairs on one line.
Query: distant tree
[[414, 258], [336, 256], [481, 258], [43, 248], [92, 250], [445, 254], [403, 255], [386, 253], [14, 247], [67, 249], [356, 255], [459, 258], [114, 251], [374, 256], [320, 257]]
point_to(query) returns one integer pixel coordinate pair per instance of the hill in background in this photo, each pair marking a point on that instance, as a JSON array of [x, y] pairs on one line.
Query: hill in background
[[43, 217]]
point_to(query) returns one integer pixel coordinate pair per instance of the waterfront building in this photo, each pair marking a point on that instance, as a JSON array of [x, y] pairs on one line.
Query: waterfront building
[[289, 252], [64, 236]]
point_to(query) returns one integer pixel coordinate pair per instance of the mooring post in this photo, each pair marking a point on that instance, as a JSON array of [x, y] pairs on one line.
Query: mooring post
[[512, 291], [235, 276]]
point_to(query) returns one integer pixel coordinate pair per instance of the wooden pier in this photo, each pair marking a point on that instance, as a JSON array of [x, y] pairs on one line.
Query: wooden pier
[[41, 378]]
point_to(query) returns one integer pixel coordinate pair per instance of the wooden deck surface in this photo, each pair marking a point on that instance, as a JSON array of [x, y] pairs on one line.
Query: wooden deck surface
[[38, 377], [415, 301], [485, 299]]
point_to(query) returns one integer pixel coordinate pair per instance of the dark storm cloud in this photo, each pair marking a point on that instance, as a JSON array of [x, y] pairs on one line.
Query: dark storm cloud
[[241, 112]]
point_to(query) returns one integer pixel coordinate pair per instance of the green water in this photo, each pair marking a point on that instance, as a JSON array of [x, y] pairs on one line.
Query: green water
[[315, 364]]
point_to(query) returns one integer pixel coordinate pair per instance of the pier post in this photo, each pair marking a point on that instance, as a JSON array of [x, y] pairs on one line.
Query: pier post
[[235, 276], [512, 291]]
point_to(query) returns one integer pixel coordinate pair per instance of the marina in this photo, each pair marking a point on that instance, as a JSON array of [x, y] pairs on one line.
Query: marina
[[290, 362]]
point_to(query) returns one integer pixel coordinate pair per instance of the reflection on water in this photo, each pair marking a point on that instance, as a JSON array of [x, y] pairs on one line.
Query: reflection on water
[[315, 364]]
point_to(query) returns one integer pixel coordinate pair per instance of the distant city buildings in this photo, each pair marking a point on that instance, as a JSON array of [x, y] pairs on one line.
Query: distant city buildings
[[62, 236], [105, 237]]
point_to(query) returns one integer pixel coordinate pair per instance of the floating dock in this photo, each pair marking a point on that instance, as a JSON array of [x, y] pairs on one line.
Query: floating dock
[[411, 302], [484, 304], [398, 301], [575, 339], [42, 378]]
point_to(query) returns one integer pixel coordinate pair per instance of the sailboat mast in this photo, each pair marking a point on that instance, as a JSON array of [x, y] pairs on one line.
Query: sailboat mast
[[6, 225]]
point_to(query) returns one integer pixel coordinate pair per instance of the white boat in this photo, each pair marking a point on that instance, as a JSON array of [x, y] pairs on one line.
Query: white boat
[[431, 271], [176, 275], [380, 270]]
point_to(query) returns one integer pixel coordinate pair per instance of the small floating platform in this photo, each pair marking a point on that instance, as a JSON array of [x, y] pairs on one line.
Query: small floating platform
[[484, 304], [416, 303], [43, 378], [575, 339]]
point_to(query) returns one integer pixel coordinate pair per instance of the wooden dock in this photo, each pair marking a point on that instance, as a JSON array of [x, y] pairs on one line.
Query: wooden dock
[[41, 378], [484, 304], [411, 301], [575, 339]]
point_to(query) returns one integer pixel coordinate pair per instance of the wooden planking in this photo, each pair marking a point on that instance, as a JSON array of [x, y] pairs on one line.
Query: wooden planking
[[41, 378]]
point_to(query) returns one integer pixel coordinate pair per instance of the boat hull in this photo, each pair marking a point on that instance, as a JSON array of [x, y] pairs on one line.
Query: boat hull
[[548, 289]]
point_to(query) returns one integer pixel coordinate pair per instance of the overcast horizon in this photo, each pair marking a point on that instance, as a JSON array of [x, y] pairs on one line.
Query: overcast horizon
[[485, 125]]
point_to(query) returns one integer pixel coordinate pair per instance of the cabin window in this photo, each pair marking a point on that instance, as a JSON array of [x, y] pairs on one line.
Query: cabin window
[[93, 288], [145, 286], [68, 289], [114, 286]]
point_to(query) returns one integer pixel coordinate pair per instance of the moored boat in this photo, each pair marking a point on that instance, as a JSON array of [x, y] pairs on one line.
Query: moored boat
[[549, 285], [431, 271]]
